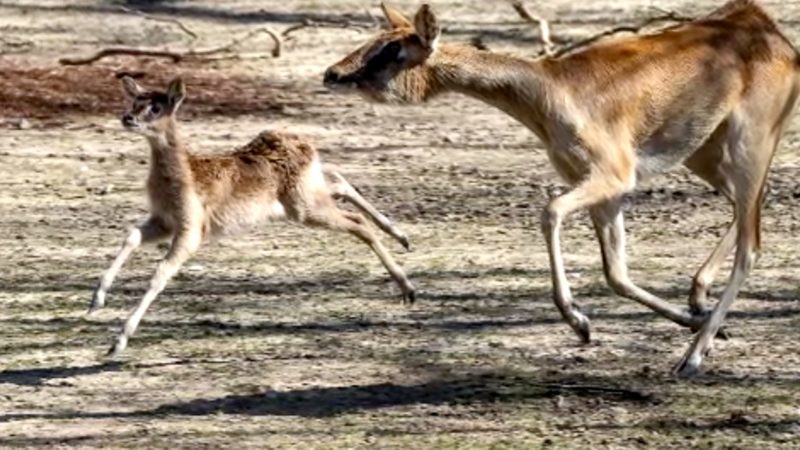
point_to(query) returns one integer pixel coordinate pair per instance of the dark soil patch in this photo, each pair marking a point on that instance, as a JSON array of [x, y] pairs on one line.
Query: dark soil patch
[[48, 93]]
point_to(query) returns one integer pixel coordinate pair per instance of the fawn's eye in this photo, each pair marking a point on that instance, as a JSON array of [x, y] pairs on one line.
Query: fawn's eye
[[155, 109]]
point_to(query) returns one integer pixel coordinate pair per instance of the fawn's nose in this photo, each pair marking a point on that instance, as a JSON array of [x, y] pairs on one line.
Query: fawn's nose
[[127, 119], [332, 76]]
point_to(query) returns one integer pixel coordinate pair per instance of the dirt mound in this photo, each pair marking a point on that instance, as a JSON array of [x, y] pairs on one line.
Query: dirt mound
[[48, 93]]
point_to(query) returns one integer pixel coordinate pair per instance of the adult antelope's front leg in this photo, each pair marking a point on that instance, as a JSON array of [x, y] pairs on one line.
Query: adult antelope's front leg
[[597, 188], [151, 230], [609, 225], [185, 243]]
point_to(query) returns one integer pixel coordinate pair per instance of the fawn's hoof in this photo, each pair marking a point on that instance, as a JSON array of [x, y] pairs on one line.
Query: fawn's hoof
[[404, 242], [116, 348], [409, 297], [98, 301]]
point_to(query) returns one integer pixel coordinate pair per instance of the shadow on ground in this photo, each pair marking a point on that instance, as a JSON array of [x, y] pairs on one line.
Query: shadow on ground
[[469, 389]]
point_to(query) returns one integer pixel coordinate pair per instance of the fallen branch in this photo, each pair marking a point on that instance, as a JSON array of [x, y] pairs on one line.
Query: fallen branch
[[543, 24], [173, 55], [276, 40], [16, 44], [308, 23], [669, 16], [176, 22]]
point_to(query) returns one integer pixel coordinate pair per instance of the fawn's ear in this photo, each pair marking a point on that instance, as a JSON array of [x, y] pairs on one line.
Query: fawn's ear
[[176, 92], [427, 26], [395, 18], [131, 87]]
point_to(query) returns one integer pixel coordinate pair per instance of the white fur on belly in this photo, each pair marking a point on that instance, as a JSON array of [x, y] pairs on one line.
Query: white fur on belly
[[244, 215], [314, 178]]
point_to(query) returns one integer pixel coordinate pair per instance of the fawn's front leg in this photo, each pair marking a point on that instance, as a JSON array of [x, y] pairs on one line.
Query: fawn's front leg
[[184, 245], [151, 230]]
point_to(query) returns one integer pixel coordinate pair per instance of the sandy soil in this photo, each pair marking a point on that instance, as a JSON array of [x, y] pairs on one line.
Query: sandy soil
[[296, 338]]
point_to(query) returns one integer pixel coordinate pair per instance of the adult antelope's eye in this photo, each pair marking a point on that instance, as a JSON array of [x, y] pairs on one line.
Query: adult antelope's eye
[[155, 108], [389, 54], [391, 50]]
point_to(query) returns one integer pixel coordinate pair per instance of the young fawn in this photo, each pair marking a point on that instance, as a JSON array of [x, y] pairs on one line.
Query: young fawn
[[194, 197], [715, 94]]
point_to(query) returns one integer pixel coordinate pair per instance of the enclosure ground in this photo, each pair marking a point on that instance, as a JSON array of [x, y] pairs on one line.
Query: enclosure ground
[[296, 338]]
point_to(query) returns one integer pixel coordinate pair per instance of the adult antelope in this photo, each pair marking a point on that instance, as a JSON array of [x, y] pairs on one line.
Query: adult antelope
[[194, 197], [715, 94]]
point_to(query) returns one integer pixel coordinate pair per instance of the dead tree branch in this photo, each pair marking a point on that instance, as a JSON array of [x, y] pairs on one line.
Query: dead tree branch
[[276, 40], [308, 23], [668, 16], [543, 24], [113, 51], [175, 22], [175, 56]]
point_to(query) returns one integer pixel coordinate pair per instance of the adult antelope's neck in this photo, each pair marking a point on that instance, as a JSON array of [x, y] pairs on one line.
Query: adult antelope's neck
[[519, 87]]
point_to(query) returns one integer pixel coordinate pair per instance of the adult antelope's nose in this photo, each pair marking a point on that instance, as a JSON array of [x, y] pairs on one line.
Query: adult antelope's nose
[[332, 76], [127, 119]]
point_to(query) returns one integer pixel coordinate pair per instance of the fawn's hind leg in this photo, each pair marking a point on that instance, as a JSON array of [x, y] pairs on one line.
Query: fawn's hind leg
[[342, 189], [334, 218]]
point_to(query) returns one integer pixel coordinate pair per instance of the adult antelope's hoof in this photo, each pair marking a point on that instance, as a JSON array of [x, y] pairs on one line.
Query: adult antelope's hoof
[[582, 327], [699, 318], [687, 367]]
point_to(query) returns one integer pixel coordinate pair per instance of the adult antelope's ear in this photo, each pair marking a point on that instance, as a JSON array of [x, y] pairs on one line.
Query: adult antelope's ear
[[176, 92], [131, 88], [395, 18], [427, 26]]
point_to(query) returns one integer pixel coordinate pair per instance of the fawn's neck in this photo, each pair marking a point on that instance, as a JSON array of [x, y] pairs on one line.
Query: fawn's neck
[[518, 87], [169, 158]]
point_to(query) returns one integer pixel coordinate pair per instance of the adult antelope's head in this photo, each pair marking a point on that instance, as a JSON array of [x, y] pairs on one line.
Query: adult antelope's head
[[151, 112], [386, 68]]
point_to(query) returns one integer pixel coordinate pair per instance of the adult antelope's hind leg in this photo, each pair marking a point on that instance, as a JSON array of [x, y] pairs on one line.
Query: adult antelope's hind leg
[[150, 231], [334, 218], [747, 247], [185, 243], [341, 188], [609, 225], [701, 283], [751, 149], [708, 163]]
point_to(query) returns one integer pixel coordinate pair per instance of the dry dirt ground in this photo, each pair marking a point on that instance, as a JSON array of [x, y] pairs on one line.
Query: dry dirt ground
[[295, 338]]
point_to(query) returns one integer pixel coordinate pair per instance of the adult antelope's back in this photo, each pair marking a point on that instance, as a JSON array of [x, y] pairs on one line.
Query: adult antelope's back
[[715, 94]]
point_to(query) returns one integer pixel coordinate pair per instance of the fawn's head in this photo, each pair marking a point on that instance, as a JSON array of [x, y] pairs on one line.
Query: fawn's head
[[379, 69], [151, 112]]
